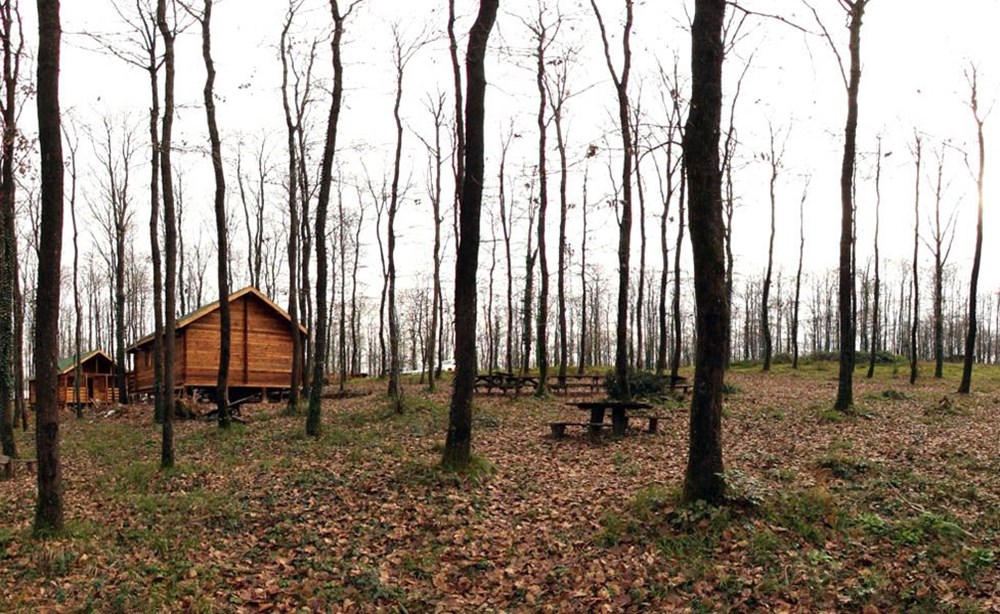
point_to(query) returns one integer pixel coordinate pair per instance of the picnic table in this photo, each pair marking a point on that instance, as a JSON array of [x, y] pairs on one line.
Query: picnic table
[[583, 382], [502, 381], [598, 409]]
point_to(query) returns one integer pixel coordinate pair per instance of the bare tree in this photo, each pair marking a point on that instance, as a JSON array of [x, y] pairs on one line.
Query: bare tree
[[115, 218], [544, 33], [703, 478], [625, 220], [13, 47], [71, 144], [435, 106], [877, 283], [774, 160], [326, 176], [222, 238], [402, 54], [294, 110], [855, 10], [168, 32], [970, 339], [942, 236], [458, 444], [915, 321], [557, 86], [798, 278], [506, 222], [49, 506]]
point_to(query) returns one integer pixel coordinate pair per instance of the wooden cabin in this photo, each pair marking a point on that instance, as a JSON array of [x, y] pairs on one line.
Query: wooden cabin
[[260, 345], [98, 383]]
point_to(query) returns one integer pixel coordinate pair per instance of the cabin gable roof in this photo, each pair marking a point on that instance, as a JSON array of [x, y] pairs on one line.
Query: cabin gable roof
[[193, 316]]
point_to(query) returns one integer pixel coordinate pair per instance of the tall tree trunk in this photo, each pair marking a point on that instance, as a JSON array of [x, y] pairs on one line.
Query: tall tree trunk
[[582, 363], [915, 322], [326, 177], [703, 478], [152, 69], [845, 305], [506, 222], [49, 507], [640, 291], [876, 290], [77, 309], [798, 279], [765, 299], [170, 236], [222, 245], [395, 390], [970, 338], [458, 444], [625, 221], [557, 117], [541, 334], [675, 356], [293, 220], [8, 236]]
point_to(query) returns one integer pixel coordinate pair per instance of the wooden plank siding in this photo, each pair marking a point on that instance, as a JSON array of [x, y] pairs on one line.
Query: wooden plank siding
[[260, 343], [98, 382]]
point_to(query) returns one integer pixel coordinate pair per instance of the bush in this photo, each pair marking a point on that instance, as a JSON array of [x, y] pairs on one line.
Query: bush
[[641, 383]]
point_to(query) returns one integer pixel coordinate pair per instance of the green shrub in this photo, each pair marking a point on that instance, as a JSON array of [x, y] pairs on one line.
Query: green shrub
[[641, 383]]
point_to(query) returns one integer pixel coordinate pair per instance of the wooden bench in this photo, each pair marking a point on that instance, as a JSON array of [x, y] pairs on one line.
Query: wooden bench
[[559, 428], [7, 464]]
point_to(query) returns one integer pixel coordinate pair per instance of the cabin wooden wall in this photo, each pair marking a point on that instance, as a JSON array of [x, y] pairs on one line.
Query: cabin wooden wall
[[261, 350], [260, 341]]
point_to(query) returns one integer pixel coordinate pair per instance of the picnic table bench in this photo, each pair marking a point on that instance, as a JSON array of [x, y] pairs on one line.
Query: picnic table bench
[[678, 382], [619, 417], [7, 464]]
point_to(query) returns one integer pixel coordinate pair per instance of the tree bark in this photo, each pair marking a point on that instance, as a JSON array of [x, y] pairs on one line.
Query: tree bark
[[845, 295], [703, 478], [222, 240], [295, 384], [625, 221], [915, 321], [8, 236], [877, 283], [326, 176], [170, 236], [970, 338], [541, 334], [458, 444], [49, 507]]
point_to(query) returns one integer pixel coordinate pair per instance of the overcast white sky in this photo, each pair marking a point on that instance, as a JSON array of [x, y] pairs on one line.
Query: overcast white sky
[[914, 54]]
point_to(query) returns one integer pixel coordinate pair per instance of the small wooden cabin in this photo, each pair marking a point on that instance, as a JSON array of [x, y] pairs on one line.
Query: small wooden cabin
[[98, 383], [260, 342]]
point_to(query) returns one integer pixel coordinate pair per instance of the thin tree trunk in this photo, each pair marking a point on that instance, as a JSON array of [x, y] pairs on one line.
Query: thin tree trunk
[[8, 238], [914, 324], [458, 444], [295, 384], [625, 222], [765, 299], [970, 338], [845, 379], [798, 279], [170, 232], [541, 334], [222, 245], [876, 298], [326, 176]]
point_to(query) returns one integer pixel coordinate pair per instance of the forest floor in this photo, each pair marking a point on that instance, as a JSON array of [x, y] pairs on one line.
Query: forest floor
[[897, 508]]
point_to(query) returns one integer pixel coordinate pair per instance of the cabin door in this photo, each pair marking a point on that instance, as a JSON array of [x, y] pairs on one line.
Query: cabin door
[[90, 389]]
